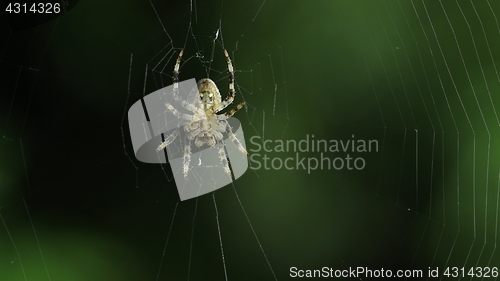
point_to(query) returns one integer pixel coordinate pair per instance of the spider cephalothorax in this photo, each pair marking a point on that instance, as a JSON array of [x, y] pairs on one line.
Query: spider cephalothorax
[[210, 95], [205, 126]]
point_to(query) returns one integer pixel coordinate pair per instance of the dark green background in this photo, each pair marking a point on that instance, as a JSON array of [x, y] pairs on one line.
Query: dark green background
[[419, 77]]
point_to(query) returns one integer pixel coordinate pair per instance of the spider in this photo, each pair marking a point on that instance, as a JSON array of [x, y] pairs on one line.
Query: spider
[[205, 125]]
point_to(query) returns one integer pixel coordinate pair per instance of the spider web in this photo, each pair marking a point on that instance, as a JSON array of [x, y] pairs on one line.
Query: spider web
[[420, 77], [70, 83]]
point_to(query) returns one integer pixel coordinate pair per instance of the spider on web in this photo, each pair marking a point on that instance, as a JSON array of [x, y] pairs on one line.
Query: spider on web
[[205, 125]]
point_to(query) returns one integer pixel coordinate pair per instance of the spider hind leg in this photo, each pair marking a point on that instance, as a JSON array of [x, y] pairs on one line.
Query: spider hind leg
[[168, 140], [223, 159], [235, 140], [187, 156]]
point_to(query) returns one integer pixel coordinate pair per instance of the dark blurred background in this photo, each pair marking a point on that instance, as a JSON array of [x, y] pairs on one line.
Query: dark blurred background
[[419, 77]]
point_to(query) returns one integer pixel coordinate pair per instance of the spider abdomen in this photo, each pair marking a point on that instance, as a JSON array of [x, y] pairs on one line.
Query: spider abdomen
[[204, 137]]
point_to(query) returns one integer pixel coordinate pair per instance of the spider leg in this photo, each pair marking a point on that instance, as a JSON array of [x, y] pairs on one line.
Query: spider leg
[[176, 73], [230, 97], [190, 107], [184, 103], [235, 109], [178, 114], [168, 140], [223, 158], [187, 156], [235, 140], [176, 77]]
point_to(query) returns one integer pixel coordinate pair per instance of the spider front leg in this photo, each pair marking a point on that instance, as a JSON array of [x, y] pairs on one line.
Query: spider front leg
[[230, 97], [230, 70], [176, 73], [175, 90]]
